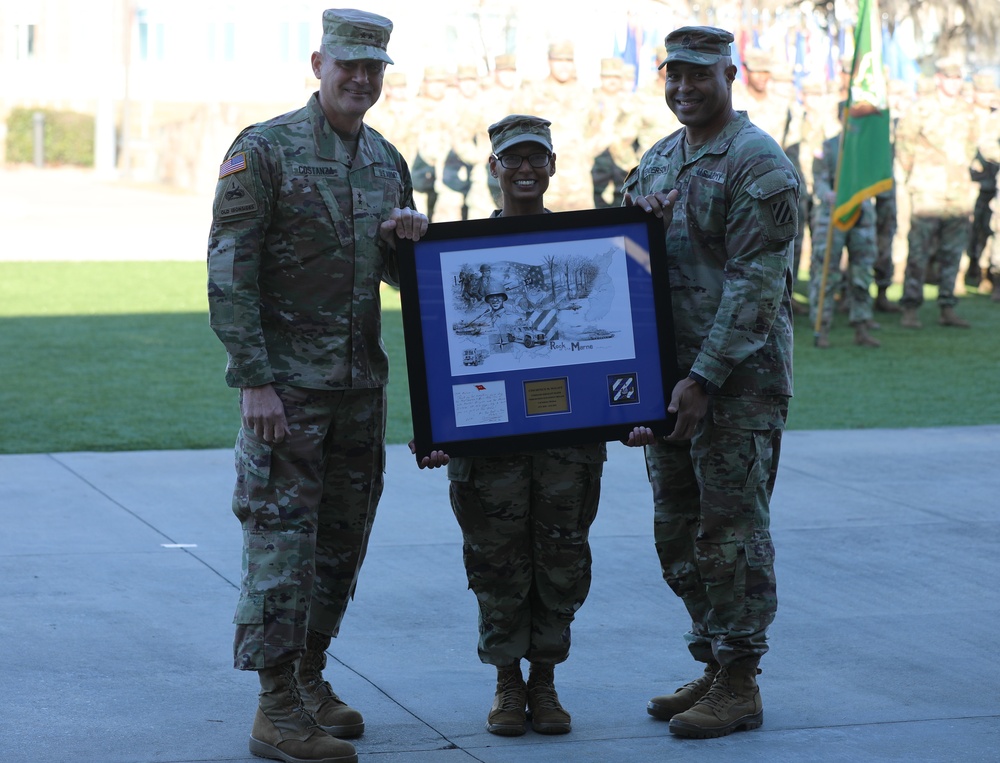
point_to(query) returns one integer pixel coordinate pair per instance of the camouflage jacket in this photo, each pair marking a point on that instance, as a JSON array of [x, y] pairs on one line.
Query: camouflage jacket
[[935, 144], [295, 261], [729, 255]]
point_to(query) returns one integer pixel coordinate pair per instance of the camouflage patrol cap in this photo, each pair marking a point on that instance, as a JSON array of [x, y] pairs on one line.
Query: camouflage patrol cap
[[702, 45], [468, 71], [948, 67], [436, 74], [519, 128], [350, 35], [504, 61], [561, 51], [612, 67], [758, 61]]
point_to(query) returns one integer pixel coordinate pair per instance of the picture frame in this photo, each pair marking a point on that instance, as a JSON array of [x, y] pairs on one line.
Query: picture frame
[[537, 331]]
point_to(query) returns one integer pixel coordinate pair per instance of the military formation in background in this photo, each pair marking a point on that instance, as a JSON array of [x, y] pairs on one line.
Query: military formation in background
[[946, 138]]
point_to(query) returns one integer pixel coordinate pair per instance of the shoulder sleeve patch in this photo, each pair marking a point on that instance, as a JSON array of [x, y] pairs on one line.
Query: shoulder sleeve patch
[[236, 199], [777, 207]]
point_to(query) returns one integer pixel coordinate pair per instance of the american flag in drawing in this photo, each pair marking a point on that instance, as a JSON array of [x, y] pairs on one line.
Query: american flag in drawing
[[234, 163]]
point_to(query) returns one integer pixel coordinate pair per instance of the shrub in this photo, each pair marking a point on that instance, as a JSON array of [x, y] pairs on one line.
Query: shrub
[[68, 137]]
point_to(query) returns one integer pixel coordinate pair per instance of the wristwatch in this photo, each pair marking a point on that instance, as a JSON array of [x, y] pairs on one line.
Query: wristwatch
[[705, 384]]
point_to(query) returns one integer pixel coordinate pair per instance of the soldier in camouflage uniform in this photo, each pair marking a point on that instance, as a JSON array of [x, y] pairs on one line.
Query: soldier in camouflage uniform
[[306, 212], [983, 172], [526, 516], [730, 237], [935, 144], [861, 254]]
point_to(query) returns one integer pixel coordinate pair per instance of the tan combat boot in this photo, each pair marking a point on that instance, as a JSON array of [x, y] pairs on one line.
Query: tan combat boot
[[667, 706], [733, 703], [547, 715], [863, 338], [822, 340], [507, 716], [910, 319], [950, 318], [333, 715], [283, 728]]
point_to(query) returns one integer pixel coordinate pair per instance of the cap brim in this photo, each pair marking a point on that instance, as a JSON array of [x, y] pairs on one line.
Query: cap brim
[[691, 57], [522, 138], [357, 53]]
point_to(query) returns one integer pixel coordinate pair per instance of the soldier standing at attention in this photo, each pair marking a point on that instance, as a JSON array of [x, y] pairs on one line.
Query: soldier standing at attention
[[729, 241], [525, 516], [862, 251], [935, 144], [306, 215]]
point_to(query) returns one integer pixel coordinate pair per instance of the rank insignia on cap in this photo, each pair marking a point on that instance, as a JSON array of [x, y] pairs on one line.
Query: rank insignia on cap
[[235, 163]]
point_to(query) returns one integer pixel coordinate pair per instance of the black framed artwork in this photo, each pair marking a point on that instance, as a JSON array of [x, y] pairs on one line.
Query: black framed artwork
[[537, 331]]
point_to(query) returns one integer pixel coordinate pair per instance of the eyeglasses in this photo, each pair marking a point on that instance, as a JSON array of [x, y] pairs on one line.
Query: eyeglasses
[[513, 161]]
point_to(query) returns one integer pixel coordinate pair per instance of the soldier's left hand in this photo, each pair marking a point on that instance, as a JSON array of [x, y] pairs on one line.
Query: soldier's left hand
[[690, 402], [640, 436], [433, 461], [404, 223]]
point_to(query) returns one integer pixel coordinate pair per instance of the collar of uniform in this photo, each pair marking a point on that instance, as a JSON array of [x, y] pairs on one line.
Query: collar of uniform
[[717, 145], [329, 146]]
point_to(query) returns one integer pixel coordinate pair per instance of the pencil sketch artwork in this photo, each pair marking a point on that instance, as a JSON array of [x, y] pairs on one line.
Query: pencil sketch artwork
[[537, 305]]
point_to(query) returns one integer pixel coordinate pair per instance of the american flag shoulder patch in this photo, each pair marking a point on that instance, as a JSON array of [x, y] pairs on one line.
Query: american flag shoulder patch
[[235, 163]]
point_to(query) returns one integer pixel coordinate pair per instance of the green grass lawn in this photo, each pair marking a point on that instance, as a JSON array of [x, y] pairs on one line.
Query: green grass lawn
[[120, 356]]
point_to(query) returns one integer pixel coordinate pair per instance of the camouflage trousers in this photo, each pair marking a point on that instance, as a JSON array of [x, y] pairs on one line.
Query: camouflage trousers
[[525, 521], [941, 236], [885, 233], [711, 500], [307, 506], [861, 255]]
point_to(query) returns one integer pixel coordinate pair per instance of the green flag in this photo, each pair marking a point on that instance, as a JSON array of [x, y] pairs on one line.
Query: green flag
[[866, 158]]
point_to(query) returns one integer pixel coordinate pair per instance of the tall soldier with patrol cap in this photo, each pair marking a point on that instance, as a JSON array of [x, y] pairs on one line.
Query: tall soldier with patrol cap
[[306, 215], [728, 198]]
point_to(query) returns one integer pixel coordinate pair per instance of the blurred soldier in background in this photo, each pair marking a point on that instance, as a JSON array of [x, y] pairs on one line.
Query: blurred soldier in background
[[505, 97], [464, 170], [654, 120], [561, 96], [770, 108], [861, 254], [935, 143], [613, 133], [434, 116], [988, 148], [984, 173]]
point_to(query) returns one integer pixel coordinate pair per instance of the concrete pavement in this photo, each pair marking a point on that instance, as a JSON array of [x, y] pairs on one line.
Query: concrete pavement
[[120, 573]]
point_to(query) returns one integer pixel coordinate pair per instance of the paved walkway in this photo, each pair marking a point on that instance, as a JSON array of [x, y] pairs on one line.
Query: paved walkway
[[119, 574]]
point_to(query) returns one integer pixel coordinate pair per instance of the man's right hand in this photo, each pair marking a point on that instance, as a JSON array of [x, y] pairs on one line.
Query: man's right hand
[[263, 412]]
